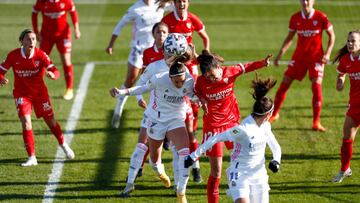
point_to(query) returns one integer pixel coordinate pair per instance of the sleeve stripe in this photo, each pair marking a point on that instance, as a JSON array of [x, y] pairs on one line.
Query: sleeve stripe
[[2, 68], [242, 67], [50, 66]]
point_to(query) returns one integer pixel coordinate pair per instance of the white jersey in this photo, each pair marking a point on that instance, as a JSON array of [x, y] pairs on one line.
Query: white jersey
[[168, 103], [143, 17], [249, 144]]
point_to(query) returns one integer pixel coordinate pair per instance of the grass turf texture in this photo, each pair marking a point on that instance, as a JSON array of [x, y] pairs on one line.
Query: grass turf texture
[[238, 32]]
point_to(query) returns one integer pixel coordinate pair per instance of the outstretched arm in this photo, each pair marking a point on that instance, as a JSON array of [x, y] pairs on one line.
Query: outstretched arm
[[251, 66], [331, 41]]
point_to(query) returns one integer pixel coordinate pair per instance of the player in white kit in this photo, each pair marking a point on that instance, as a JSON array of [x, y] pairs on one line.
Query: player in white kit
[[176, 49], [247, 176], [166, 115], [143, 14]]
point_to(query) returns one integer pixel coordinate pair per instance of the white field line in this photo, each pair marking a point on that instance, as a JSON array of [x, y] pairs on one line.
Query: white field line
[[72, 120], [125, 62], [206, 2]]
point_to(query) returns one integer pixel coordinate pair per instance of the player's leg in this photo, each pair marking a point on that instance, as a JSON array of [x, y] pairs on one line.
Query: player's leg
[[24, 109], [135, 162], [349, 132], [133, 69], [280, 97], [64, 45], [156, 132], [178, 136], [316, 74], [214, 179]]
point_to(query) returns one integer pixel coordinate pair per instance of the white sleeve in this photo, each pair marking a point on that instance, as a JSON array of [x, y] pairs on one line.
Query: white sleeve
[[145, 76], [224, 136], [128, 17], [137, 90], [274, 145]]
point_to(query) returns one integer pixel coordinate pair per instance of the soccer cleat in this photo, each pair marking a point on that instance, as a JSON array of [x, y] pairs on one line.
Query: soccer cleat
[[68, 151], [274, 118], [196, 175], [165, 179], [30, 162], [127, 190], [341, 175], [115, 121], [181, 198], [318, 127], [69, 94]]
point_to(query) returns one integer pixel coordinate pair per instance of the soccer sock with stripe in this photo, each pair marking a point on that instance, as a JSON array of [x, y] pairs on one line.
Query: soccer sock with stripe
[[136, 160], [183, 172], [28, 138], [346, 154], [68, 74], [213, 189], [57, 132], [316, 101]]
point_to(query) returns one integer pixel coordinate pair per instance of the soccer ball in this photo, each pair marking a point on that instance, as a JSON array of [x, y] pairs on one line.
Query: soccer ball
[[175, 44]]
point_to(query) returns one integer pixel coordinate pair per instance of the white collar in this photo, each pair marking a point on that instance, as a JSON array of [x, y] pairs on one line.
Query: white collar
[[156, 49], [310, 15], [23, 53], [177, 17], [352, 58]]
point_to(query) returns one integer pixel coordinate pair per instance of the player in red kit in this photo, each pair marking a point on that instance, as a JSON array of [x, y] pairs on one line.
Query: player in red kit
[[56, 30], [349, 64], [184, 22], [29, 65], [309, 25], [215, 89]]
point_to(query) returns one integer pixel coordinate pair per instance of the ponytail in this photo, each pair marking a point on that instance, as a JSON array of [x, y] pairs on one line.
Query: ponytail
[[263, 104]]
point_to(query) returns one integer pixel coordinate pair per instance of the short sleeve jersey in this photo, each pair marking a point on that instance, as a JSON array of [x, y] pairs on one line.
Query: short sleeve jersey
[[28, 72], [54, 16], [152, 54], [222, 104], [185, 26], [351, 65], [309, 31]]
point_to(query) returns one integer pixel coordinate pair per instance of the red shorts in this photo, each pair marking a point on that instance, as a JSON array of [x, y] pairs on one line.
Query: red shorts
[[63, 43], [217, 149], [297, 70], [42, 107], [355, 116]]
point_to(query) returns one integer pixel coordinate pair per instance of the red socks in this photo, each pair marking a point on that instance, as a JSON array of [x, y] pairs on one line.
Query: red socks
[[68, 73], [346, 154], [280, 97], [58, 133], [316, 101], [28, 138], [213, 189]]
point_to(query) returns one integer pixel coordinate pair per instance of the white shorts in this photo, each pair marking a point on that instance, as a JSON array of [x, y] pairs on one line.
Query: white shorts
[[242, 185], [143, 123], [135, 57], [157, 130]]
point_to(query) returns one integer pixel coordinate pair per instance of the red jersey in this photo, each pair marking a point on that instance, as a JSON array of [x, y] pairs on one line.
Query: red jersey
[[54, 16], [185, 26], [152, 54], [222, 105], [309, 31], [28, 72], [351, 66], [192, 66]]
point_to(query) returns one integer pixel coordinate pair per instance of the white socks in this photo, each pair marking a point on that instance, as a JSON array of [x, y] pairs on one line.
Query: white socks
[[175, 164], [183, 172], [136, 161]]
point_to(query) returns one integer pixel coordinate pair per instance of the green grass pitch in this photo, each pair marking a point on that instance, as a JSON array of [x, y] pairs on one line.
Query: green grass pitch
[[239, 31]]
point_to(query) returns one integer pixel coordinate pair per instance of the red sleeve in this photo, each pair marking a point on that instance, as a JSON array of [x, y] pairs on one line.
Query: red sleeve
[[341, 67], [325, 22], [292, 25], [34, 16], [198, 89], [197, 23], [73, 13], [251, 66], [6, 65], [49, 65], [145, 59]]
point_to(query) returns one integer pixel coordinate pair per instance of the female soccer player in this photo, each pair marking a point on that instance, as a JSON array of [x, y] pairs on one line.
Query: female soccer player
[[56, 30], [29, 65], [165, 117], [308, 56], [152, 54], [143, 14], [247, 176], [215, 89], [349, 58]]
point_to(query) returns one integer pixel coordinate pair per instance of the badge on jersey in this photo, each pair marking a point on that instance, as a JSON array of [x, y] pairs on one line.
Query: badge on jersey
[[315, 22], [37, 63], [234, 131], [46, 106]]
